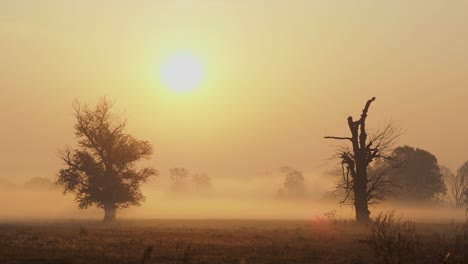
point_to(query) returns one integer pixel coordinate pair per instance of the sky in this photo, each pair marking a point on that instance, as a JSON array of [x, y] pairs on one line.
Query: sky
[[280, 75]]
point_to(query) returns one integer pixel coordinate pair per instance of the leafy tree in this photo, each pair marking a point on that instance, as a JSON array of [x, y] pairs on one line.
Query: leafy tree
[[179, 178], [101, 171], [421, 176], [358, 184], [293, 185], [201, 181]]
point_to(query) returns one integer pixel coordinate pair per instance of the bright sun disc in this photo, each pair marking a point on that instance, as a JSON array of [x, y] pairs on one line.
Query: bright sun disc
[[182, 72]]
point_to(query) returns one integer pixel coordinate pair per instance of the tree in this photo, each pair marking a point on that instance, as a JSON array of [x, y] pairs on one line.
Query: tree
[[201, 181], [179, 177], [462, 173], [421, 176], [101, 171], [448, 177], [458, 186], [358, 184], [293, 185], [382, 184]]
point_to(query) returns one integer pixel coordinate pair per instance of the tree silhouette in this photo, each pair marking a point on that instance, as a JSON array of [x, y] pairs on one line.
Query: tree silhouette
[[358, 184], [201, 181], [421, 176], [101, 171], [458, 186], [179, 178], [382, 184], [293, 185]]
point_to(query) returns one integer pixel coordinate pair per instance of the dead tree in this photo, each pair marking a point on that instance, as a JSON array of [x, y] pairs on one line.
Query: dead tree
[[361, 186]]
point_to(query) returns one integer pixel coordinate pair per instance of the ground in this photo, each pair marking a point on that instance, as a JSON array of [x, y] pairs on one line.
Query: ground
[[214, 241]]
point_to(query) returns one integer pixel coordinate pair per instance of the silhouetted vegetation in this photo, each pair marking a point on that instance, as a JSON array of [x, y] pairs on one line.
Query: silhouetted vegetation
[[394, 240], [358, 185], [386, 240], [179, 177], [420, 176], [201, 181], [458, 185], [182, 182], [293, 185], [102, 170]]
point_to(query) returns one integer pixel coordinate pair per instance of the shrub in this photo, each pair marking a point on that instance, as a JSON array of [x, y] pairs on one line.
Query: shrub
[[393, 240], [459, 245]]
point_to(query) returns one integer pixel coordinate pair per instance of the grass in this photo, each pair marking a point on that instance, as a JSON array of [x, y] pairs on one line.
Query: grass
[[218, 241]]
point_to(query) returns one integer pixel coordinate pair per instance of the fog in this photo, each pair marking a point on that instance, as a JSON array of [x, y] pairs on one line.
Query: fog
[[279, 77], [248, 198]]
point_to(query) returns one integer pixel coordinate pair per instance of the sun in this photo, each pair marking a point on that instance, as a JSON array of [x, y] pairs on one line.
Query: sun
[[182, 72]]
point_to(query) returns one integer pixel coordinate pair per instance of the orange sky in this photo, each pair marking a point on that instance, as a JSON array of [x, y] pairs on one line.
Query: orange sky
[[280, 75]]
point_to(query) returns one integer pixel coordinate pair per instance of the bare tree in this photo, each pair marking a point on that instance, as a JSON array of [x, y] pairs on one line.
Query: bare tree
[[361, 183], [383, 183], [102, 171], [458, 186]]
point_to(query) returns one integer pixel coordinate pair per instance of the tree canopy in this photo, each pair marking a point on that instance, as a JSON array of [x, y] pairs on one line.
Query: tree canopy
[[421, 176], [293, 185], [101, 171]]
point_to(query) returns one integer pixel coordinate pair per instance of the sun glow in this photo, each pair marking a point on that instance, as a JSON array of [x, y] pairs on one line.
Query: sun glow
[[182, 72]]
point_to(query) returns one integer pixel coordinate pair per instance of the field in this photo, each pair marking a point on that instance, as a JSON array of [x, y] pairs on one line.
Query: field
[[222, 241]]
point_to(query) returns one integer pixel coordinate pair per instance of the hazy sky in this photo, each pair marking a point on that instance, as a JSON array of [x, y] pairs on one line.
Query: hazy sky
[[280, 76]]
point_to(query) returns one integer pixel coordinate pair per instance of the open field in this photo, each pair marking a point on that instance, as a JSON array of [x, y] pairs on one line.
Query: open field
[[216, 241]]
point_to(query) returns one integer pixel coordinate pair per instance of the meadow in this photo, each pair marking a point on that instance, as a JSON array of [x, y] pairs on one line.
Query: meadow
[[322, 240]]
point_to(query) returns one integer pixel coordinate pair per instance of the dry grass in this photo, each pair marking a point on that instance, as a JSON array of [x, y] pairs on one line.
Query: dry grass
[[394, 240], [209, 241]]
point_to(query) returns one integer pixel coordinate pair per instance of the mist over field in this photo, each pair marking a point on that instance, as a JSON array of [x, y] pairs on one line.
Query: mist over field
[[233, 132], [228, 198], [256, 197]]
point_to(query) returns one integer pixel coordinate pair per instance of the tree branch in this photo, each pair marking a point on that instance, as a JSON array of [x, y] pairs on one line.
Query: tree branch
[[339, 138], [366, 109]]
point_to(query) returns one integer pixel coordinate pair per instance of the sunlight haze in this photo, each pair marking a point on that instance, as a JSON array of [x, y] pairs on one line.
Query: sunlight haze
[[275, 82]]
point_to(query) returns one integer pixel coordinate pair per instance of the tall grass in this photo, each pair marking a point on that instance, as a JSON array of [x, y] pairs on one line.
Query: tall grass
[[392, 239]]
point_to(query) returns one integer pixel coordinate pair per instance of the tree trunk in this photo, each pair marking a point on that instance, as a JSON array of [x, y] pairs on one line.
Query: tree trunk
[[357, 162], [360, 201], [109, 213]]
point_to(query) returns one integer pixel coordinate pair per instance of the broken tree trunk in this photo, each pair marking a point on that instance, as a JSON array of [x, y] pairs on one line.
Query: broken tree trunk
[[356, 162]]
